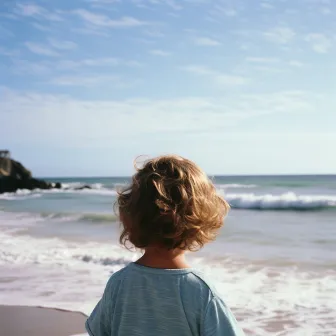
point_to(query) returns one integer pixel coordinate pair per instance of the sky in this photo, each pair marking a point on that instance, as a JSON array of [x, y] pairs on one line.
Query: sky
[[238, 86]]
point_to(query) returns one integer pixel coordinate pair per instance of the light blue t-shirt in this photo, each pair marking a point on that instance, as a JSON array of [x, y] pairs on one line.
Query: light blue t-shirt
[[145, 301]]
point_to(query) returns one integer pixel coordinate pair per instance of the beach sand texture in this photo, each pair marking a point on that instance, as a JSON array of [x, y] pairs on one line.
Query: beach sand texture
[[31, 321]]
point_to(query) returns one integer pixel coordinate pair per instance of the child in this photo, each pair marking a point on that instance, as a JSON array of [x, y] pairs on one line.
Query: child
[[170, 207]]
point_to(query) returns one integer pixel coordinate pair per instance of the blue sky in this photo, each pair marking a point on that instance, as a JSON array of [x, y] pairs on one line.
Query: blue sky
[[241, 87]]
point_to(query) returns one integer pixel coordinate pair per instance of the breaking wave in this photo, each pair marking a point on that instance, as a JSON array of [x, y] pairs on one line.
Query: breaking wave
[[287, 201], [256, 201]]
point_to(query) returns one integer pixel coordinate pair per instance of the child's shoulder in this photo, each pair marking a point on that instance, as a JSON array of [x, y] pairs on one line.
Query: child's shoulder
[[205, 282], [195, 282], [116, 277], [120, 273]]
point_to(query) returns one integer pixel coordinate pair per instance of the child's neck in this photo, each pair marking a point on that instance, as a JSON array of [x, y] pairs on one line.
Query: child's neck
[[161, 258]]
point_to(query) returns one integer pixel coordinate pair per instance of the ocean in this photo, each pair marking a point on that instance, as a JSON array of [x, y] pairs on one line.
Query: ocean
[[274, 260]]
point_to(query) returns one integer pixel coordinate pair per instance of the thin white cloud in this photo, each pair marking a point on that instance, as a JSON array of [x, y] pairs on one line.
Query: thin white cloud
[[36, 11], [320, 43], [263, 63], [154, 33], [97, 62], [198, 69], [97, 116], [62, 44], [280, 35], [175, 5], [79, 80], [159, 52], [218, 77], [41, 27], [24, 67], [105, 21], [206, 41], [220, 10], [91, 81], [91, 30], [103, 1], [29, 9], [52, 66], [40, 49]]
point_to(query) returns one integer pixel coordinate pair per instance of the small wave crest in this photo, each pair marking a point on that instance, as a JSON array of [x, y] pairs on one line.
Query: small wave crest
[[98, 218], [23, 194], [238, 200], [25, 219], [84, 217], [287, 201], [20, 195]]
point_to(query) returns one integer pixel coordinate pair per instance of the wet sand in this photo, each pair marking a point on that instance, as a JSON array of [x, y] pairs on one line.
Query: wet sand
[[31, 321]]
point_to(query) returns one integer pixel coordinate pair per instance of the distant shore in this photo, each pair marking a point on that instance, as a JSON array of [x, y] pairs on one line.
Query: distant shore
[[34, 321]]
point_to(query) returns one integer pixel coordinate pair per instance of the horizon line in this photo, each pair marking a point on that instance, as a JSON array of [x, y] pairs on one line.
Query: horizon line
[[209, 175]]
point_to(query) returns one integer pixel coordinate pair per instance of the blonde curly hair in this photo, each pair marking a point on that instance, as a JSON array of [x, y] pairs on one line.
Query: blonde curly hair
[[171, 203]]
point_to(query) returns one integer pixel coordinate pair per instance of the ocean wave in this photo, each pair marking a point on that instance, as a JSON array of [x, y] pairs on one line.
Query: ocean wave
[[23, 194], [81, 217], [98, 218], [21, 218], [287, 201], [20, 195], [55, 272]]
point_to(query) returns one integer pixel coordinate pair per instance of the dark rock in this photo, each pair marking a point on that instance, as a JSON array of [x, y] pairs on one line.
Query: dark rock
[[58, 185], [18, 177], [19, 171], [83, 187]]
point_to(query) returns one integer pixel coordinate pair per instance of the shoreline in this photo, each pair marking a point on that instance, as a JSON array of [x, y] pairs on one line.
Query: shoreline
[[40, 321]]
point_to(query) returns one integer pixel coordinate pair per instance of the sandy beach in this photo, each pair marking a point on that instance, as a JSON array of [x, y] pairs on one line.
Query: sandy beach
[[33, 321]]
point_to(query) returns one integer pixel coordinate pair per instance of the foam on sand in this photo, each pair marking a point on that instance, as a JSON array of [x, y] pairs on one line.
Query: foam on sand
[[54, 273]]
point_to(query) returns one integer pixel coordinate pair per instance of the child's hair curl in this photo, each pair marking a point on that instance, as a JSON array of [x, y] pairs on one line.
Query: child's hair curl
[[170, 203]]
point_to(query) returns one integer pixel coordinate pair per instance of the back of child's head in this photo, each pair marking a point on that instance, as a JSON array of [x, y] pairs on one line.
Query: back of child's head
[[170, 203]]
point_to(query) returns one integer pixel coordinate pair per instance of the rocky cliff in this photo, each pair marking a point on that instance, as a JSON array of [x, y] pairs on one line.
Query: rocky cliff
[[14, 176]]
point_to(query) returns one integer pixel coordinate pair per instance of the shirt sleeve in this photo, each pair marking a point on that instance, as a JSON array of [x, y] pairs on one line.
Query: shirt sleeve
[[219, 320], [98, 323]]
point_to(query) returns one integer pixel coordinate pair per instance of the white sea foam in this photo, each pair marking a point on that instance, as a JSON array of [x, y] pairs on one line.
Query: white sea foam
[[20, 195], [287, 201], [23, 194], [20, 220], [55, 273]]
